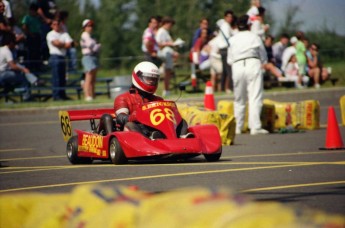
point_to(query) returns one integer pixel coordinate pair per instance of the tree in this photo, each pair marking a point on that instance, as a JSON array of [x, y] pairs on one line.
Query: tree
[[116, 38], [75, 17], [290, 24]]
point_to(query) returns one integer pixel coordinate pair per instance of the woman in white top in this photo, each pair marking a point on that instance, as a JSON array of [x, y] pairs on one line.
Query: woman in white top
[[89, 49]]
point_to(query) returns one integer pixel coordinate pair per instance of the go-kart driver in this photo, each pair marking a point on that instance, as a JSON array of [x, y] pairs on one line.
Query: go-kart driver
[[145, 79]]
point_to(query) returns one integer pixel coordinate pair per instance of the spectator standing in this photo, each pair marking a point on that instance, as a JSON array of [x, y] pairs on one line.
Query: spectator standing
[[225, 31], [215, 59], [90, 49], [47, 10], [278, 49], [166, 51], [31, 24], [258, 24], [72, 51], [254, 9], [149, 44], [58, 43], [246, 55]]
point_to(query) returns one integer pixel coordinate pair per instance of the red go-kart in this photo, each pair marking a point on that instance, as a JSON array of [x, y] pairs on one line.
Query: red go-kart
[[121, 146]]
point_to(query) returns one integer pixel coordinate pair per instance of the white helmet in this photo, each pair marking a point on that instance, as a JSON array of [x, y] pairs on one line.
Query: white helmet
[[145, 77]]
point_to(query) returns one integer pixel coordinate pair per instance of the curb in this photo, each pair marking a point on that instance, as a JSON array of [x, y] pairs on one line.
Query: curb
[[282, 96]]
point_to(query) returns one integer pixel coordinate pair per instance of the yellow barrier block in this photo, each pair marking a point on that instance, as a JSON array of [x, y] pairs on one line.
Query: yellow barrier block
[[33, 210], [119, 206], [227, 107], [224, 122], [268, 117], [100, 206], [342, 109], [303, 114], [267, 114]]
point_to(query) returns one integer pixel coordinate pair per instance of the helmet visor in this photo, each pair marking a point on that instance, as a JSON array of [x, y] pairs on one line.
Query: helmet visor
[[149, 79]]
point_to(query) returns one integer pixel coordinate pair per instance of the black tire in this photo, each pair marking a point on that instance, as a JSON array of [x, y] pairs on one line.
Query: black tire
[[72, 152], [116, 154], [213, 157]]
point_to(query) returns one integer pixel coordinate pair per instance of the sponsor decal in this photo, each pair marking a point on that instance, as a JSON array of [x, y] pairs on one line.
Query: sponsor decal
[[158, 104], [92, 143]]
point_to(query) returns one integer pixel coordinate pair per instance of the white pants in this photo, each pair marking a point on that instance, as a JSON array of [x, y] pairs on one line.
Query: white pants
[[167, 55], [248, 83]]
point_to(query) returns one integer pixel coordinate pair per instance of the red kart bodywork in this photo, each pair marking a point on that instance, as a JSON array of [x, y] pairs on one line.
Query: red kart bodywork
[[161, 115]]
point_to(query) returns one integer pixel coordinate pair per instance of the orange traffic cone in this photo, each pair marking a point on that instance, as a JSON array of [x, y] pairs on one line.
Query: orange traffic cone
[[333, 137], [209, 98]]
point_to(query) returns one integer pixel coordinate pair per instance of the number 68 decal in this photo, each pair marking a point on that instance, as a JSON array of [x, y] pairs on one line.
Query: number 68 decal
[[66, 126], [157, 116]]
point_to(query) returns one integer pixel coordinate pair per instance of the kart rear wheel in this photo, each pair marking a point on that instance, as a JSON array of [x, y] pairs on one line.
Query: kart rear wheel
[[116, 154], [72, 152]]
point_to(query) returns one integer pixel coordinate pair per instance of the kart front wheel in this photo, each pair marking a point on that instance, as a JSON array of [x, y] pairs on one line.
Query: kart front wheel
[[116, 154], [72, 152], [213, 157]]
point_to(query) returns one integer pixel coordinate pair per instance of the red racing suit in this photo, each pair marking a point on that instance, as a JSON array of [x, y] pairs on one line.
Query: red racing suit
[[127, 103]]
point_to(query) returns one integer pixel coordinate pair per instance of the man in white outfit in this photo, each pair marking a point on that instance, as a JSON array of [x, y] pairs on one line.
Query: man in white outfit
[[246, 55]]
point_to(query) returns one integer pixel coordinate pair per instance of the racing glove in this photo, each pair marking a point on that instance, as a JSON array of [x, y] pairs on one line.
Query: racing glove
[[122, 119]]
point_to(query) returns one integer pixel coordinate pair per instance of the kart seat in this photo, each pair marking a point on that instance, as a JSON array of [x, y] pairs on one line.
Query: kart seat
[[106, 124]]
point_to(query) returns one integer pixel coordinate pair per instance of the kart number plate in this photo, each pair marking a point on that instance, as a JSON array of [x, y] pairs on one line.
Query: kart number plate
[[66, 126]]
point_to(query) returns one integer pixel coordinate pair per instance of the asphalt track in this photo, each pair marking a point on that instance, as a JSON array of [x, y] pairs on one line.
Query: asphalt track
[[289, 168]]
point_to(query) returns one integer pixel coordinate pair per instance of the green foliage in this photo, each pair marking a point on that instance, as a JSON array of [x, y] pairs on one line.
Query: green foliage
[[119, 24], [114, 30], [19, 9], [290, 24], [332, 46], [74, 19]]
